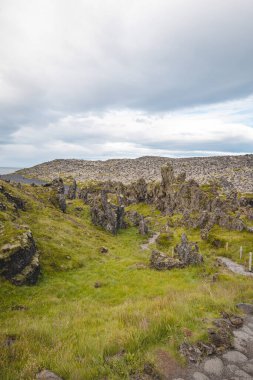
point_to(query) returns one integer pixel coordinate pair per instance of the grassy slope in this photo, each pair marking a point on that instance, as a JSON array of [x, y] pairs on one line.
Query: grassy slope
[[79, 331]]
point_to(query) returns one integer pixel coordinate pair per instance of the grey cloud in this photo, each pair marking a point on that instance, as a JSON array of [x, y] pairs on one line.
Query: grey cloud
[[59, 58]]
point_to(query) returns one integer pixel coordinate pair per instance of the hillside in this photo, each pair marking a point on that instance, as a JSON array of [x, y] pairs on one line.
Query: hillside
[[117, 306], [236, 169]]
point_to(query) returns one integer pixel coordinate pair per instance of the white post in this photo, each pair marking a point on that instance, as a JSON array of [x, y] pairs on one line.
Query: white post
[[226, 246], [250, 261], [172, 251], [240, 252]]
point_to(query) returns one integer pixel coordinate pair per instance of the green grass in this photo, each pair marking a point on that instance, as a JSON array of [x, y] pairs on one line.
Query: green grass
[[83, 332]]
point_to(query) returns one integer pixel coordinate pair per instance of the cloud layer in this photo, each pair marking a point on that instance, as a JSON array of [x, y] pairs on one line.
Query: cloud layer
[[124, 78]]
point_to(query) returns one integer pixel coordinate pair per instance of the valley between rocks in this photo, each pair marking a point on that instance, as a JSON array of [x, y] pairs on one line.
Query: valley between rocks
[[111, 280]]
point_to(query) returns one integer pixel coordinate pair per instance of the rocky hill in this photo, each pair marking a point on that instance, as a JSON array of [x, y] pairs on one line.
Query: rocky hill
[[236, 169]]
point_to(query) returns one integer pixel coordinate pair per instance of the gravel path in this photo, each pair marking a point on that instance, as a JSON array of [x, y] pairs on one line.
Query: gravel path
[[234, 267]]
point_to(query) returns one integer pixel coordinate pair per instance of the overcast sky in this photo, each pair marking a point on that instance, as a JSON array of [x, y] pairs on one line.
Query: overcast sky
[[97, 79]]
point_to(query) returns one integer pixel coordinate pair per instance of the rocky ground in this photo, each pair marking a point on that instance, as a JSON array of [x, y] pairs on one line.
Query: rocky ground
[[236, 169], [235, 364]]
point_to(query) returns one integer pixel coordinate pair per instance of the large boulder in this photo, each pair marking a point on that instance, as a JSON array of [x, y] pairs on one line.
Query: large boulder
[[161, 261], [106, 214], [19, 260]]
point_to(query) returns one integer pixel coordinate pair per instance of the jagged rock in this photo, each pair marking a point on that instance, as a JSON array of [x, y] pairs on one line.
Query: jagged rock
[[57, 197], [107, 215], [188, 252], [72, 190], [140, 190], [143, 227], [160, 261], [168, 177], [19, 260], [62, 202], [58, 185]]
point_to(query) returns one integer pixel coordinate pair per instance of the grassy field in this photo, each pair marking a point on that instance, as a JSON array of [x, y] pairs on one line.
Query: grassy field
[[80, 331]]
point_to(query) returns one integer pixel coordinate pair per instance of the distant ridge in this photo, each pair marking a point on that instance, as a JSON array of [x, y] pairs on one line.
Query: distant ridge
[[236, 169]]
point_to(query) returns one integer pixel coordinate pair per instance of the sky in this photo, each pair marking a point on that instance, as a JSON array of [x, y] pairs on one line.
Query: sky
[[93, 79]]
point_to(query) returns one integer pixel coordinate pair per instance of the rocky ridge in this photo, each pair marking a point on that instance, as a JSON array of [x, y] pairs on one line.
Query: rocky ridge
[[235, 171]]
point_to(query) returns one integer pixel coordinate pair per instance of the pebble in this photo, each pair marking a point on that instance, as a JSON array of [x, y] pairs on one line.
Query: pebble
[[235, 357], [245, 307], [248, 367], [214, 367], [200, 376], [47, 375]]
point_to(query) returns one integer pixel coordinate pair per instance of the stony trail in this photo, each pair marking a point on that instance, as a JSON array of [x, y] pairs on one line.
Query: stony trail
[[234, 267], [151, 240], [236, 364]]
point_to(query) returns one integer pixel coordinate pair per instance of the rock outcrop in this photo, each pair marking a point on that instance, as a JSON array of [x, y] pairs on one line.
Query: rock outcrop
[[19, 260], [106, 214], [185, 254]]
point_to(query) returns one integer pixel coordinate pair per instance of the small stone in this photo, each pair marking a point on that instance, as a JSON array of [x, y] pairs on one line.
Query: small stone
[[103, 250], [214, 366], [240, 345], [68, 257], [247, 308], [247, 330], [242, 375], [200, 376], [248, 367], [235, 357], [231, 368], [242, 335], [97, 284], [47, 375]]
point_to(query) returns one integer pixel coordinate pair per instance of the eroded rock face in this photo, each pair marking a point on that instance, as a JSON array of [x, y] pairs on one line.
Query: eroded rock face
[[188, 252], [107, 215], [19, 260]]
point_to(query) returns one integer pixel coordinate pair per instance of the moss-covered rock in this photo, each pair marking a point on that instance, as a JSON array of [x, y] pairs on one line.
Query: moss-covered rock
[[19, 260]]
